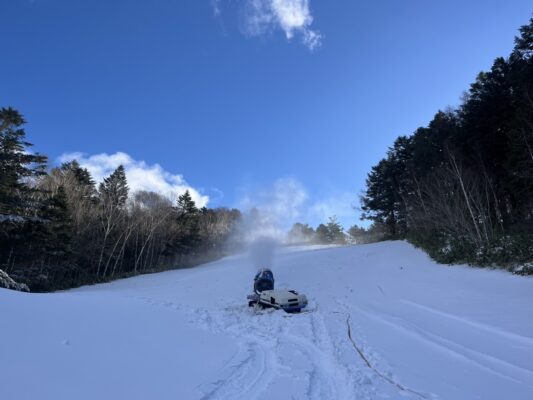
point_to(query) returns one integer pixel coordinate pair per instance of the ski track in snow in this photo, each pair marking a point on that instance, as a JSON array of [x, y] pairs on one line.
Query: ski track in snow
[[482, 361], [528, 341]]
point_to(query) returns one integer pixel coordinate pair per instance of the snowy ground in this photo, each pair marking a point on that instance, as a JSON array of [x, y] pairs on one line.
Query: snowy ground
[[385, 323]]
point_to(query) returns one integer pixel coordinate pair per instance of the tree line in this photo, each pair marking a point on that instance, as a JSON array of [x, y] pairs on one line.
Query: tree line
[[329, 233], [332, 232], [58, 229], [462, 187]]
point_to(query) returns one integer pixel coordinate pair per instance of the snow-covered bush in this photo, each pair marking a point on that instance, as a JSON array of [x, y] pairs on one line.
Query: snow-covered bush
[[512, 252], [8, 283], [523, 269]]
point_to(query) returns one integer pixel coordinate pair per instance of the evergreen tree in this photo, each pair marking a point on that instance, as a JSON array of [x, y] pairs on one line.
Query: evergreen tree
[[464, 183], [301, 233], [357, 233], [186, 204], [335, 232], [84, 182], [114, 189], [379, 203], [322, 234], [57, 231], [17, 164], [188, 217], [523, 49], [520, 157], [57, 220], [19, 201], [47, 256]]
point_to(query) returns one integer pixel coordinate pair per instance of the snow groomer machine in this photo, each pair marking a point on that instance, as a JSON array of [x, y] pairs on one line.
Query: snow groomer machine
[[265, 296]]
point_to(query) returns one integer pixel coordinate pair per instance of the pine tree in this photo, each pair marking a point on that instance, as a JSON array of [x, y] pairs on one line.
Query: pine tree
[[19, 202], [335, 231], [301, 233], [465, 182], [520, 158], [57, 220], [186, 204], [16, 164], [84, 182], [379, 200], [188, 223], [322, 234], [524, 43], [358, 235], [114, 189]]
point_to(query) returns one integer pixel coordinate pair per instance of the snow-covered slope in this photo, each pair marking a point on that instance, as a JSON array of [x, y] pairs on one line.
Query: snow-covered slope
[[385, 322]]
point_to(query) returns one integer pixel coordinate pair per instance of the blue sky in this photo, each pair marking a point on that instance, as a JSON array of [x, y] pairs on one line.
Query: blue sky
[[285, 103]]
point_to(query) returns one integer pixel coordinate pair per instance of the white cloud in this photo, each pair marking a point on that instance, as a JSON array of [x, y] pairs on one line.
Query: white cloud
[[215, 6], [292, 16], [140, 175]]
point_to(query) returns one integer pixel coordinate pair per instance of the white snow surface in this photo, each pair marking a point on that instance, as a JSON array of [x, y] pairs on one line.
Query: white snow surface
[[418, 331]]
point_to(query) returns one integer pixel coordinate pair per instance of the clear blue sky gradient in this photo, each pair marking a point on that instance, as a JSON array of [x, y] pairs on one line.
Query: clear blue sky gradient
[[168, 82]]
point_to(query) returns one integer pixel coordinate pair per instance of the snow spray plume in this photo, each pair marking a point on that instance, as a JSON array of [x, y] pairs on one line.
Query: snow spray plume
[[270, 211], [261, 252], [258, 235], [266, 219]]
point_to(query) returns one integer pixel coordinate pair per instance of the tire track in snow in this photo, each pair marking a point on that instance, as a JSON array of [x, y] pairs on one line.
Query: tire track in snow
[[270, 344], [250, 369], [371, 366], [326, 378], [252, 375], [244, 379], [343, 382], [329, 377], [483, 361], [322, 382], [528, 341]]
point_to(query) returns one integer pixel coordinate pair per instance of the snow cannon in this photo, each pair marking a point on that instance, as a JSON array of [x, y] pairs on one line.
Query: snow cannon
[[264, 280], [265, 296]]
